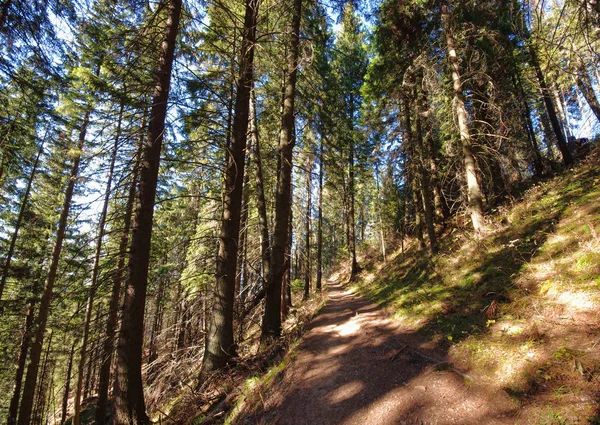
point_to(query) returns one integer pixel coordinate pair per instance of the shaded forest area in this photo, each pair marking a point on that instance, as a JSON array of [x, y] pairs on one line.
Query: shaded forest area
[[178, 177]]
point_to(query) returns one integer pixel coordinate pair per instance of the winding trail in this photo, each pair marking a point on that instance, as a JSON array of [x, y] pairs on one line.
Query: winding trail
[[356, 366]]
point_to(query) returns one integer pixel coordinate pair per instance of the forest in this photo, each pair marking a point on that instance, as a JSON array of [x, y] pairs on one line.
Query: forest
[[180, 178]]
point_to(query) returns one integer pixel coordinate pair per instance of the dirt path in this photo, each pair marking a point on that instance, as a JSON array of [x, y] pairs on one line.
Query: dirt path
[[355, 366]]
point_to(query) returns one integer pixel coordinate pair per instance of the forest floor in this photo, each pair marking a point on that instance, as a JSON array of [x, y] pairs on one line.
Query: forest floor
[[499, 329]]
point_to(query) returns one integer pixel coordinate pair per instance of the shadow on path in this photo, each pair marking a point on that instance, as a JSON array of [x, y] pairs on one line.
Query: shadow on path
[[355, 366]]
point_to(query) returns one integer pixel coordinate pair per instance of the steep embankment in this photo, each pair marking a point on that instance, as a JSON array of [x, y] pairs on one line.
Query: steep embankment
[[519, 308]]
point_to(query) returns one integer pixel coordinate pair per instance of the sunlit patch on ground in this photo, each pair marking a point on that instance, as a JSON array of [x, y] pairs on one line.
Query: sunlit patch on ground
[[346, 391]]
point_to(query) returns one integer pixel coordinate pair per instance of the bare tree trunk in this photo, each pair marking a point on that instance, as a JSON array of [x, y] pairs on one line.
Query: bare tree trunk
[[537, 161], [130, 407], [117, 282], [549, 137], [287, 275], [271, 325], [286, 294], [430, 152], [261, 203], [319, 276], [412, 174], [27, 399], [417, 202], [562, 116], [379, 213], [219, 341], [586, 88], [14, 237], [40, 402], [307, 272], [355, 269], [441, 209], [156, 325], [65, 400], [427, 198], [552, 115], [240, 279], [91, 370], [96, 272], [21, 361], [473, 188]]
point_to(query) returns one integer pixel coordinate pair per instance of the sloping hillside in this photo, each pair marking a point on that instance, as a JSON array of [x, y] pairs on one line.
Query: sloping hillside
[[518, 308]]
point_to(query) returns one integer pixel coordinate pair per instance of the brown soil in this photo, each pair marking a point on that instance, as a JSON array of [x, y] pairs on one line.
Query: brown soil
[[356, 366]]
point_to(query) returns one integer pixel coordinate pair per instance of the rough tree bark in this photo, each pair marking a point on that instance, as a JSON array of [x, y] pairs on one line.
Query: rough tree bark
[[219, 340], [130, 406], [271, 324], [474, 198]]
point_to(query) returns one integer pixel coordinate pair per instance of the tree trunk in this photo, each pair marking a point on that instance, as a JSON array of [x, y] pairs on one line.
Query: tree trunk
[[130, 407], [65, 400], [319, 276], [21, 361], [355, 269], [473, 188], [412, 174], [379, 213], [241, 274], [537, 161], [441, 209], [549, 137], [261, 203], [417, 202], [40, 403], [91, 370], [560, 137], [219, 341], [27, 400], [156, 325], [14, 237], [586, 89], [117, 283], [307, 272], [427, 198], [287, 274], [562, 116], [95, 272], [271, 325]]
